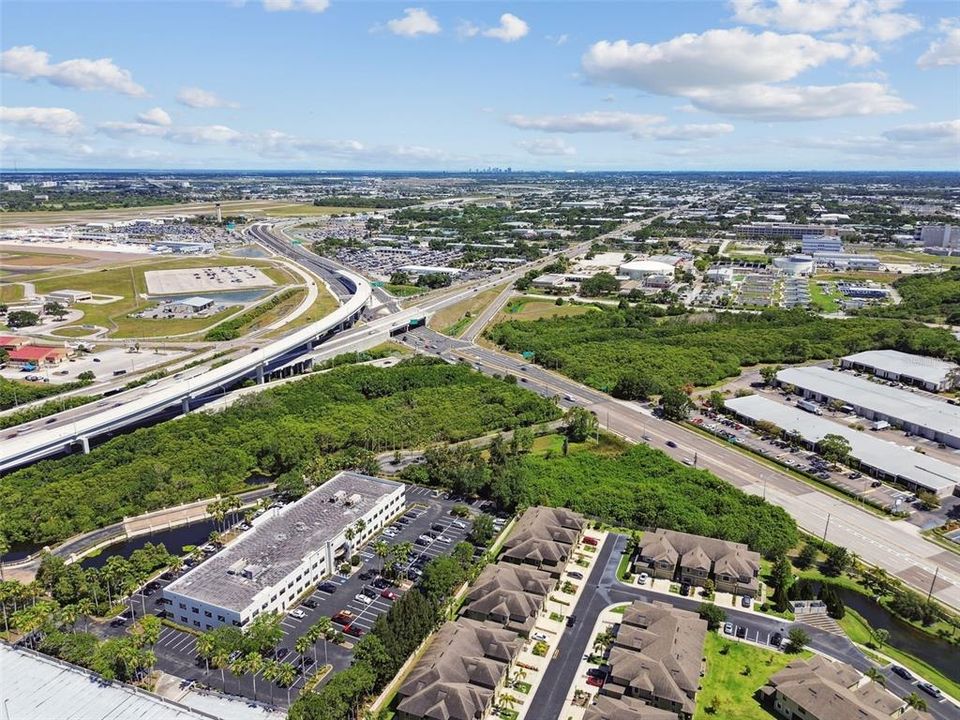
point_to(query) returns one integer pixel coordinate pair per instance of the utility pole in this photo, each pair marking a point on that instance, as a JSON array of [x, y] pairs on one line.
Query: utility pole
[[933, 582], [824, 540]]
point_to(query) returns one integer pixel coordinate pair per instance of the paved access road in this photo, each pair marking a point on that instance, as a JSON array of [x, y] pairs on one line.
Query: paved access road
[[895, 546], [604, 589]]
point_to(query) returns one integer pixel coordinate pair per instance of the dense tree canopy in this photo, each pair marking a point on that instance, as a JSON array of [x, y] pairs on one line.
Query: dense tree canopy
[[602, 348], [274, 432]]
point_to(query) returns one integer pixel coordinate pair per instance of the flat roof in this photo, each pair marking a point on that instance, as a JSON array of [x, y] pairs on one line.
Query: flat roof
[[913, 407], [195, 300], [279, 541], [933, 474], [915, 366], [35, 686]]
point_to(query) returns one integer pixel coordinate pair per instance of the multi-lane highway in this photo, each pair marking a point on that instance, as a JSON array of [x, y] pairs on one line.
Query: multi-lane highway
[[895, 546]]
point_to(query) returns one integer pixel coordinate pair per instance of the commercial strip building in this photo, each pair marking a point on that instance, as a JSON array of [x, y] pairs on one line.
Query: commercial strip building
[[882, 459], [657, 657], [38, 356], [288, 550], [693, 559], [913, 412], [822, 689], [928, 373]]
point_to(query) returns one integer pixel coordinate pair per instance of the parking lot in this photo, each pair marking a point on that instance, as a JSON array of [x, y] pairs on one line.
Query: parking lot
[[426, 513]]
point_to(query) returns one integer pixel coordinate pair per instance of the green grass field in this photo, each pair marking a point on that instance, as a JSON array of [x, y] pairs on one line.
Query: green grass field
[[297, 210], [10, 292], [533, 308], [726, 681], [128, 281], [454, 319], [823, 299]]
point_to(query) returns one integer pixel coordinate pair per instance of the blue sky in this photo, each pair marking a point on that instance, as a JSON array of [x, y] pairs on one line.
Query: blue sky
[[312, 84]]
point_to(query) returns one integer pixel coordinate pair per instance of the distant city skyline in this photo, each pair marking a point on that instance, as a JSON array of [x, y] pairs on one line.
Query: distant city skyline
[[338, 85]]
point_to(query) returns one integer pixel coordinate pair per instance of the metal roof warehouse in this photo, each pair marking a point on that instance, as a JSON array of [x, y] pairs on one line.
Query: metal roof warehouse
[[914, 412], [881, 458], [929, 373]]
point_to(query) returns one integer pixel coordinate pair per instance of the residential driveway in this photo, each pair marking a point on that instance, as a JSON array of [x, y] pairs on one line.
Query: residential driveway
[[607, 590]]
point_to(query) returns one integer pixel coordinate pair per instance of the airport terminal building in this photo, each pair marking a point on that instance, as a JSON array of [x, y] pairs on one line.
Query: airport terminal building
[[288, 550]]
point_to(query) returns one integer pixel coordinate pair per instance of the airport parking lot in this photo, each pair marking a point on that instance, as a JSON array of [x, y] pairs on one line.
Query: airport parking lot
[[176, 649]]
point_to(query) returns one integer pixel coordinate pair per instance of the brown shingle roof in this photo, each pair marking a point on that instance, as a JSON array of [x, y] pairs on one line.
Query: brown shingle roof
[[695, 551], [608, 708]]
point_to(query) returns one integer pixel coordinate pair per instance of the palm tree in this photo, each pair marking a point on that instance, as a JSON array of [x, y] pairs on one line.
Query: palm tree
[[382, 550], [874, 674], [253, 664], [221, 658], [360, 526], [916, 702], [176, 565], [301, 645], [350, 534], [205, 648], [288, 676], [238, 668], [67, 617], [271, 673], [324, 625], [86, 608]]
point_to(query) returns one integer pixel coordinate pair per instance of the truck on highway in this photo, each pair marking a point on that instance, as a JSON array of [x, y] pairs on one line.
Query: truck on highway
[[810, 407]]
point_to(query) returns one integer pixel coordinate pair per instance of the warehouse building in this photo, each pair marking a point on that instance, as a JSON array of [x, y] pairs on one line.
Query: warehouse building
[[190, 306], [785, 231], [287, 550], [642, 269], [928, 373], [69, 296], [912, 412], [879, 458]]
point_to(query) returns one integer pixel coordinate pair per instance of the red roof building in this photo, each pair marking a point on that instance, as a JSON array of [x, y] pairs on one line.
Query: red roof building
[[37, 355]]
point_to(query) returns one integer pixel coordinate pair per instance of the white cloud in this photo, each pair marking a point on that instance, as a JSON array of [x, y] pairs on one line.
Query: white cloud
[[735, 71], [924, 132], [946, 50], [861, 19], [510, 29], [117, 128], [415, 21], [796, 102], [558, 39], [715, 58], [59, 121], [205, 134], [155, 116], [547, 146], [585, 122], [198, 98], [686, 132], [28, 63], [314, 6]]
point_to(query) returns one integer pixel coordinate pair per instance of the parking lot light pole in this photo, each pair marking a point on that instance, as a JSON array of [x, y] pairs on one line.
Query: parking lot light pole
[[825, 528]]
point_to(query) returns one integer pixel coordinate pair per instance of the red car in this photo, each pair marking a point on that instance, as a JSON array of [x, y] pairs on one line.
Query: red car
[[353, 630], [590, 541], [389, 594], [595, 681], [344, 617]]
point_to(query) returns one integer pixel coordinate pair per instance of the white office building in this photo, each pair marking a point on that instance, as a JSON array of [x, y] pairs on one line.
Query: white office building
[[794, 265], [288, 550], [931, 374], [821, 243], [941, 236], [916, 413]]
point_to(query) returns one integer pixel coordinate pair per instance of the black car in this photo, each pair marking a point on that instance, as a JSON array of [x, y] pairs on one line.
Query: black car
[[903, 672], [382, 583], [282, 653], [437, 526], [370, 592], [367, 574], [571, 620], [327, 587], [310, 603], [671, 443], [776, 639], [403, 520], [685, 589], [421, 541], [413, 574], [741, 631]]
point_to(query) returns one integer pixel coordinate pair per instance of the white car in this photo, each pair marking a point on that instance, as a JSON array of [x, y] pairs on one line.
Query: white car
[[458, 524], [360, 597], [539, 636], [298, 614], [642, 579], [443, 539]]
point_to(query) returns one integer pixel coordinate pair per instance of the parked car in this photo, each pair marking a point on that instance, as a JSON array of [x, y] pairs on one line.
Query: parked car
[[575, 575], [389, 595], [426, 538], [741, 632], [437, 526], [298, 614], [344, 617], [539, 636], [728, 628], [685, 589], [776, 639], [281, 653], [381, 583], [370, 592], [746, 601], [327, 587], [571, 620], [903, 672], [413, 574], [353, 630], [443, 539], [361, 598], [930, 689], [595, 681], [642, 579], [587, 540]]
